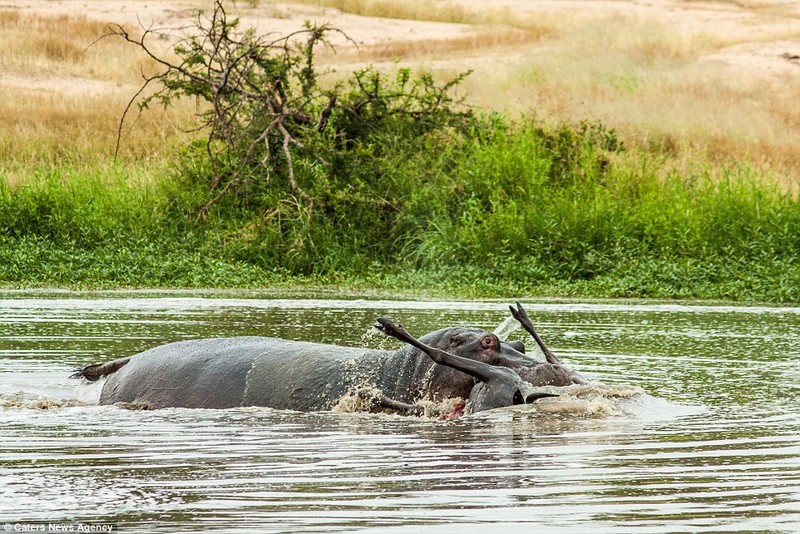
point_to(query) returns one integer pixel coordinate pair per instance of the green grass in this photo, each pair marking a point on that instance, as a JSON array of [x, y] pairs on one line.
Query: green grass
[[509, 210]]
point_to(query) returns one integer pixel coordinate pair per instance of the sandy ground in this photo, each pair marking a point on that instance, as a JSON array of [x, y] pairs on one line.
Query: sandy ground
[[268, 18], [759, 28]]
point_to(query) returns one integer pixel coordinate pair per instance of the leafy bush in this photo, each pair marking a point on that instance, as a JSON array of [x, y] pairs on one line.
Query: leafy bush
[[272, 131], [310, 163]]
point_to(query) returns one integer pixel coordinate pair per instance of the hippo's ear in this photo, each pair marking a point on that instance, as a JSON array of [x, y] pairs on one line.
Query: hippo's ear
[[533, 397]]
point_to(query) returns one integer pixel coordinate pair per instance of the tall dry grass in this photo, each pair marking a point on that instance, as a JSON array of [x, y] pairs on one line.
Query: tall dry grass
[[64, 45], [654, 85], [62, 93], [480, 42], [46, 128], [645, 76]]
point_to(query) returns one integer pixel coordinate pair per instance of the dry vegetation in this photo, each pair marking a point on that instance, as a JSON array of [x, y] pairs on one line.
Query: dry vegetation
[[660, 82], [655, 87], [63, 90], [473, 43], [436, 11], [654, 80]]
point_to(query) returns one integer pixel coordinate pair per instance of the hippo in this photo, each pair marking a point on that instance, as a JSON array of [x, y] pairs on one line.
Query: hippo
[[497, 386], [295, 375]]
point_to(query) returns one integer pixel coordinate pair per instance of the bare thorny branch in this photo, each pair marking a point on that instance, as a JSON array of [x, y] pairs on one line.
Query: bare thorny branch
[[235, 76], [260, 103]]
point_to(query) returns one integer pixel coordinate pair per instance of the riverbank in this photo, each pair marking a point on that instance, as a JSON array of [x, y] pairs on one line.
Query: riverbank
[[246, 280], [503, 203], [622, 234]]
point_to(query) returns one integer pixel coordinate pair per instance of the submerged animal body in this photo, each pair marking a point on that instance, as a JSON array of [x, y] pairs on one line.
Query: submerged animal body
[[297, 375]]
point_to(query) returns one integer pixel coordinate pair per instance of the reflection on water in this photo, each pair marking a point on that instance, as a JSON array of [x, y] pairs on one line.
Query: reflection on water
[[713, 445]]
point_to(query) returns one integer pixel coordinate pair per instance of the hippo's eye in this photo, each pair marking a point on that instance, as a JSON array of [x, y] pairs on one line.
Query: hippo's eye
[[452, 342]]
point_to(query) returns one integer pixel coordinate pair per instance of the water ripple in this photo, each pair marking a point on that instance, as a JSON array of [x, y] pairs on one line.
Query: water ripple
[[713, 445]]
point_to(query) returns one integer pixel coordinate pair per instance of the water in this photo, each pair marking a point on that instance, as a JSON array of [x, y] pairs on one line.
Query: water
[[713, 445]]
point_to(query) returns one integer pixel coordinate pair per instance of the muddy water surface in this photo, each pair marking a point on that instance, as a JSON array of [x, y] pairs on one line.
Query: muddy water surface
[[712, 445]]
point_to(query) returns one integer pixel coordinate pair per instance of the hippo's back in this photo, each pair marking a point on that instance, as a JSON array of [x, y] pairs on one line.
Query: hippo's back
[[238, 371]]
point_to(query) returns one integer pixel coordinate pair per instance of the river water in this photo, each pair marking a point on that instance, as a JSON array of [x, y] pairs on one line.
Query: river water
[[711, 445]]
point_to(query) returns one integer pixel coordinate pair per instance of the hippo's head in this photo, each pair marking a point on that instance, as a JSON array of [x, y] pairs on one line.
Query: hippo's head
[[482, 346], [475, 354], [442, 381]]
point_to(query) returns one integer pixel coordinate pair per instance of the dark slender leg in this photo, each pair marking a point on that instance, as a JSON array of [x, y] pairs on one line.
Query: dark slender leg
[[402, 407], [521, 316], [482, 371], [382, 401]]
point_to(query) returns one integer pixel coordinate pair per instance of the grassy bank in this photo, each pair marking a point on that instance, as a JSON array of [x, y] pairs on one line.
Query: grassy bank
[[520, 209], [402, 188]]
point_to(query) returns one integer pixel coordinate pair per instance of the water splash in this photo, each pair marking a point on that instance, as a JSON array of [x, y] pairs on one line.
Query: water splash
[[89, 392], [362, 400], [506, 328], [592, 400], [601, 400], [41, 402], [372, 337]]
